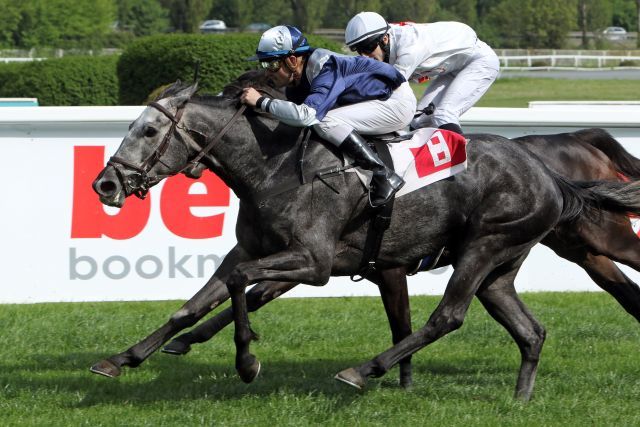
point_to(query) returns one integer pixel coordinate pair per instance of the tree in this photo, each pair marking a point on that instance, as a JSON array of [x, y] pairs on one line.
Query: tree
[[142, 17], [9, 22], [308, 14], [593, 15], [531, 23], [625, 14], [638, 24], [186, 15], [459, 10], [408, 10], [339, 12], [64, 23]]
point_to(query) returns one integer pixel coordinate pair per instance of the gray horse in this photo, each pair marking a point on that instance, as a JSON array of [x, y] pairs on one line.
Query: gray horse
[[489, 217]]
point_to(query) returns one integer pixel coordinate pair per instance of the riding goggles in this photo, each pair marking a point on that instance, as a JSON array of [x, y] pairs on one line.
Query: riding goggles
[[272, 65], [366, 46]]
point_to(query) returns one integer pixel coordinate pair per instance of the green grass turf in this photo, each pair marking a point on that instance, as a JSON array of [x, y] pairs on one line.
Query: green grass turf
[[589, 372], [517, 92]]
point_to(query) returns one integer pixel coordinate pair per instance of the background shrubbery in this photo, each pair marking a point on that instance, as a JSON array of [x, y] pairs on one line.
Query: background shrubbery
[[78, 80], [145, 65], [157, 60]]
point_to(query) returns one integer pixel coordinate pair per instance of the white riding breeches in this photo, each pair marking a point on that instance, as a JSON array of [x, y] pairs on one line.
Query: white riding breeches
[[454, 93], [373, 117]]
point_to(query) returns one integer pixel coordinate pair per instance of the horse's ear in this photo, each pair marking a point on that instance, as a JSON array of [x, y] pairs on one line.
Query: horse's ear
[[184, 95]]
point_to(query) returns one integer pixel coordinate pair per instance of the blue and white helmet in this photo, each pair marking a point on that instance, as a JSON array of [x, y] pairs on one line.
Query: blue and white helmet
[[283, 40]]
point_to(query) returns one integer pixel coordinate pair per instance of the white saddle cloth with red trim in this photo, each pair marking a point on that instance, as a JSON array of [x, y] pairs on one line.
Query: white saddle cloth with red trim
[[429, 156]]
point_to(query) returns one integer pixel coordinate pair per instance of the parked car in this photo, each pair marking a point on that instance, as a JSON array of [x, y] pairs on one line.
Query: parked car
[[258, 27], [213, 26], [615, 33]]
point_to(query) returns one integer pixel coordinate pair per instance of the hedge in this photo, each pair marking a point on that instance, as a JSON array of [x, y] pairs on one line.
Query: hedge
[[147, 64], [77, 80], [155, 61]]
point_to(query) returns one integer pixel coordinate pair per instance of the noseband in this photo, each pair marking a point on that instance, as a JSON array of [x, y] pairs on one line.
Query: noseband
[[139, 182]]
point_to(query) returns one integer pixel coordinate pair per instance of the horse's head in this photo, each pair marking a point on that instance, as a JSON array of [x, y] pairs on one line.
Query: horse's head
[[147, 154], [159, 144]]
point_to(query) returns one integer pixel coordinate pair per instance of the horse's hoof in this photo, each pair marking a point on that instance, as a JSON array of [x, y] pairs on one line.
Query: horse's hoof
[[106, 368], [177, 348], [406, 383], [406, 377], [249, 374], [352, 377]]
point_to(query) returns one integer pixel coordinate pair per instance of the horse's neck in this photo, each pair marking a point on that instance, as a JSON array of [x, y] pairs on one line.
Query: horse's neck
[[258, 153]]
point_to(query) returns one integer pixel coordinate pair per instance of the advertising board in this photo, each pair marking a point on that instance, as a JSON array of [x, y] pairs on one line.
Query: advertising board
[[61, 244]]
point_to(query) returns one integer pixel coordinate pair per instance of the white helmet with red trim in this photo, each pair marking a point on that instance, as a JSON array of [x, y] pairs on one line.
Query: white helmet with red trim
[[364, 26]]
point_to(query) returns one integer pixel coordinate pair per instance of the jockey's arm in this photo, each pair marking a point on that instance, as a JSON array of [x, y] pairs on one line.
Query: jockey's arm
[[287, 112], [301, 115]]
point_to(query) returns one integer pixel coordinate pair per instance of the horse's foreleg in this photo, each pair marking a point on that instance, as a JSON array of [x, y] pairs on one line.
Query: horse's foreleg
[[502, 303], [205, 300], [296, 266], [258, 296], [395, 297]]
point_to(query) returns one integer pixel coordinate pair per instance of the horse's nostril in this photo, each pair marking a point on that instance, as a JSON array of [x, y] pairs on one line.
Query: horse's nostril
[[108, 187]]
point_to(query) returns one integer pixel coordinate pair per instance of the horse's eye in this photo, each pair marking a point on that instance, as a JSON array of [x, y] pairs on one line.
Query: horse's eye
[[150, 132]]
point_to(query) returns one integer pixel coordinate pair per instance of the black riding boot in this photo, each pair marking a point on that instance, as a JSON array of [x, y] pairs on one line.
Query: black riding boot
[[452, 127], [385, 182]]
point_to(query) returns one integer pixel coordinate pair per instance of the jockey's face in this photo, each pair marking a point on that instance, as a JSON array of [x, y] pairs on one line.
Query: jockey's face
[[287, 74], [377, 53]]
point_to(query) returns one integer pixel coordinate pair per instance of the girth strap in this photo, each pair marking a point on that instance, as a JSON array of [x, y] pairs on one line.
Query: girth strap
[[378, 225]]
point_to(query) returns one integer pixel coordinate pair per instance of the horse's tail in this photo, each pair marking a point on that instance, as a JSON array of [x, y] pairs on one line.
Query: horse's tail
[[626, 163], [591, 197]]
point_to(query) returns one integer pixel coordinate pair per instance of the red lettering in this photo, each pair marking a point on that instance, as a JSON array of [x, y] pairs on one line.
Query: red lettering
[[176, 201], [89, 220]]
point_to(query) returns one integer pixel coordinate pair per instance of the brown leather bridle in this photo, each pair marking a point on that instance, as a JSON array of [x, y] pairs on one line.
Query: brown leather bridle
[[139, 182]]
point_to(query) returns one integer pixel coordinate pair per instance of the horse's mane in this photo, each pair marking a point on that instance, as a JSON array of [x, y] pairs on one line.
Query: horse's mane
[[230, 93]]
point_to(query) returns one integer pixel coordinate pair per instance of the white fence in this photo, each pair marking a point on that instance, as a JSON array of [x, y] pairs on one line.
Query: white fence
[[570, 61], [61, 244]]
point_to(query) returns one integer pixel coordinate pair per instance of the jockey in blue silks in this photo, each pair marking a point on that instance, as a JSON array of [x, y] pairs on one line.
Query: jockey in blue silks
[[340, 96]]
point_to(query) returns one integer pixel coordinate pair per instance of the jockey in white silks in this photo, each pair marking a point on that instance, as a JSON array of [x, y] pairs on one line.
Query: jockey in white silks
[[461, 67], [340, 96]]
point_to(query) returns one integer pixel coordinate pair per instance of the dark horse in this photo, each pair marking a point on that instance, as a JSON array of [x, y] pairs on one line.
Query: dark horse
[[489, 217], [590, 154]]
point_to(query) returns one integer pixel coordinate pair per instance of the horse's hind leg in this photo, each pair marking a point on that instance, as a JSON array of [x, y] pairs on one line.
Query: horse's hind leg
[[602, 270], [502, 303], [205, 300], [257, 296], [474, 267], [612, 236], [610, 278]]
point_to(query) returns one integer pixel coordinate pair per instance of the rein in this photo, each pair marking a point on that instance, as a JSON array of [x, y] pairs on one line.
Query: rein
[[139, 183]]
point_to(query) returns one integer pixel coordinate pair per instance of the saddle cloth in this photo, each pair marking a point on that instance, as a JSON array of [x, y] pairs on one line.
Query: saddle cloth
[[429, 156], [635, 220]]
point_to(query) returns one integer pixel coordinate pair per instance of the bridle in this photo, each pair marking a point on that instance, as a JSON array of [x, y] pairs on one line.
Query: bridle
[[139, 182]]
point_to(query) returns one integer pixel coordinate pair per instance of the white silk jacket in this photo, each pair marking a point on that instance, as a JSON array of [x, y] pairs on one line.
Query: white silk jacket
[[429, 50]]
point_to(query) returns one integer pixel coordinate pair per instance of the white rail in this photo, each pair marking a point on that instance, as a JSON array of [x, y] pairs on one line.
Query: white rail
[[556, 60]]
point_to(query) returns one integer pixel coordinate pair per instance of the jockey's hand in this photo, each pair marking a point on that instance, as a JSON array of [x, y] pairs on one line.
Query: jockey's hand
[[249, 96]]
